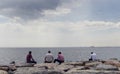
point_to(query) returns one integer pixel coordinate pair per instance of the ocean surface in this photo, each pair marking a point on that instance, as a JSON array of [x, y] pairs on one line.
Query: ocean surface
[[70, 53]]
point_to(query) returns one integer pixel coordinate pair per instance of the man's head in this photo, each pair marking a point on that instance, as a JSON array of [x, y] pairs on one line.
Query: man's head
[[59, 52], [49, 51], [91, 52], [30, 52]]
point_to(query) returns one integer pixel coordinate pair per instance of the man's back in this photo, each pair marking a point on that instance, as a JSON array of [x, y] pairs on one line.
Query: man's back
[[28, 58], [60, 57], [49, 58], [93, 56]]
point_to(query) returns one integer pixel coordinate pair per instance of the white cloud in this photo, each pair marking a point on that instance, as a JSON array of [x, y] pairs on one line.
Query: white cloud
[[45, 33], [65, 8], [57, 12], [54, 23]]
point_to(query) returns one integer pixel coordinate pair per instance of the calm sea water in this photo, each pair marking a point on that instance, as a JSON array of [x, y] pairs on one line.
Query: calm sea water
[[71, 53]]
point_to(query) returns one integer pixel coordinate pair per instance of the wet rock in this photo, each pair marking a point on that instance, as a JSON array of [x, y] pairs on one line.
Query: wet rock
[[93, 72], [96, 67], [113, 59], [25, 65], [4, 68], [92, 64], [35, 70], [106, 67], [3, 72], [46, 65], [64, 67], [75, 63], [112, 62], [75, 69]]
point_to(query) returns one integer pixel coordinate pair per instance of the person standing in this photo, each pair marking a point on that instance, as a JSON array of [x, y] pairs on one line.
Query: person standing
[[49, 57], [60, 58], [29, 58]]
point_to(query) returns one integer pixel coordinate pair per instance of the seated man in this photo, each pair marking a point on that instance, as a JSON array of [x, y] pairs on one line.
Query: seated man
[[49, 57], [92, 57], [60, 58], [29, 58]]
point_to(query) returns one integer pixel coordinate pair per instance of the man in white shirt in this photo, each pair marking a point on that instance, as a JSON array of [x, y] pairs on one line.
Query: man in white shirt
[[92, 56], [49, 57]]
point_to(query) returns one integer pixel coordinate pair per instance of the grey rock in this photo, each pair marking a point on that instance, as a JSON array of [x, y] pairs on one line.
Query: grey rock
[[36, 70], [3, 72], [106, 67], [93, 72], [69, 68], [92, 64]]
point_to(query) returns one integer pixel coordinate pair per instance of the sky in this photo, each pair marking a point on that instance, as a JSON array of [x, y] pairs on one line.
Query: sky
[[59, 23]]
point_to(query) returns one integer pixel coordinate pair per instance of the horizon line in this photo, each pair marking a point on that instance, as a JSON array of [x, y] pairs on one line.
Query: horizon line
[[60, 47]]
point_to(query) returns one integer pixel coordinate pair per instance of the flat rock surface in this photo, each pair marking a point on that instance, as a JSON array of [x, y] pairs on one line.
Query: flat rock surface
[[85, 67], [3, 72]]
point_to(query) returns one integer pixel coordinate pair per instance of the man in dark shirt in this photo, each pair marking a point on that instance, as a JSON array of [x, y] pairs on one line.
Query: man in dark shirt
[[29, 58]]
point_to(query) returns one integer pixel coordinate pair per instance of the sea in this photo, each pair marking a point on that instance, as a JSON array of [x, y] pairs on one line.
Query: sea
[[18, 55]]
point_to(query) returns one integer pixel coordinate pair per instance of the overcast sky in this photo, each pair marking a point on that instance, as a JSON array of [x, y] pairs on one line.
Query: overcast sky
[[59, 23]]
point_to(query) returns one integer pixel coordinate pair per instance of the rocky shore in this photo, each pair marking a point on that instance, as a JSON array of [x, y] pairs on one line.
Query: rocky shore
[[111, 66]]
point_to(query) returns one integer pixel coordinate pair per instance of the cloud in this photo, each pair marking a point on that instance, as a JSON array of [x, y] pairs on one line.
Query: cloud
[[27, 9], [57, 12], [35, 9], [46, 33]]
